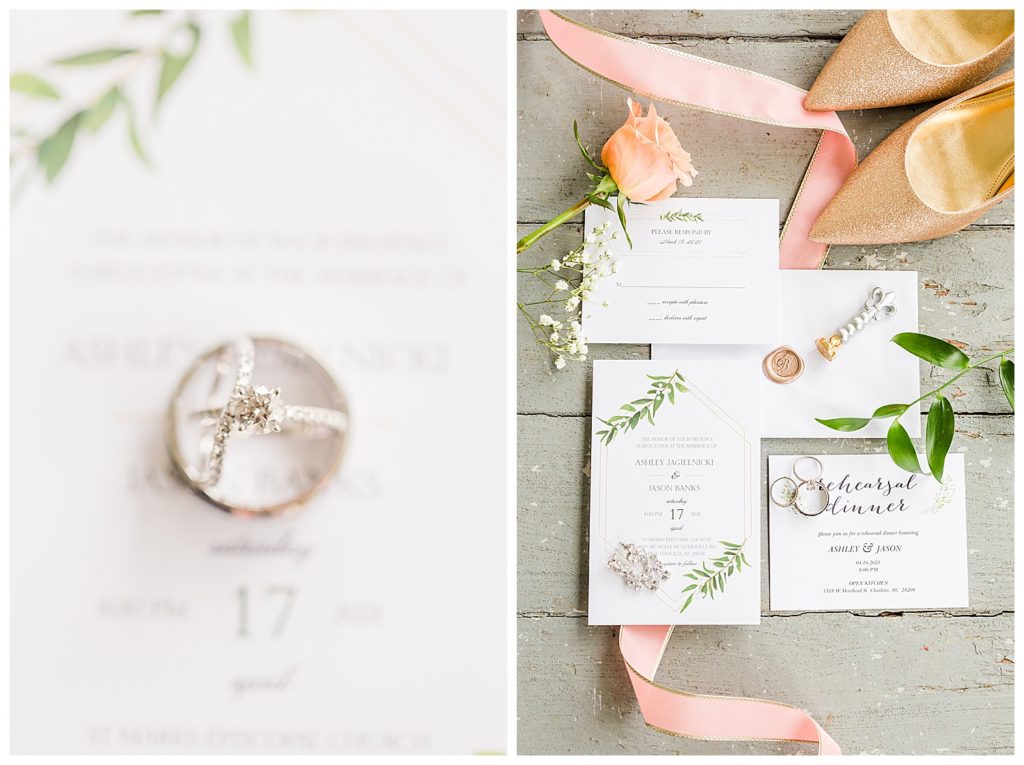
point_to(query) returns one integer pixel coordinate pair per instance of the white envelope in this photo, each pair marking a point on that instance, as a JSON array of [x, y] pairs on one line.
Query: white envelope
[[868, 371]]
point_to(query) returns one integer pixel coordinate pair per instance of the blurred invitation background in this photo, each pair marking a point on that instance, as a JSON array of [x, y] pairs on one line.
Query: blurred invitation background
[[333, 178]]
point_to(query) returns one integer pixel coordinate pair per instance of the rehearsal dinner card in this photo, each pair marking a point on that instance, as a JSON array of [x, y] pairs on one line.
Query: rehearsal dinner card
[[674, 472], [699, 271], [868, 371], [888, 539]]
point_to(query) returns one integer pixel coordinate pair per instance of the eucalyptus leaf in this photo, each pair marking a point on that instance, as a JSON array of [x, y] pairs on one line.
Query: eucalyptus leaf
[[100, 112], [240, 34], [686, 604], [54, 151], [901, 448], [23, 82], [938, 434], [173, 66], [933, 350], [90, 58], [133, 131], [1006, 380], [845, 424]]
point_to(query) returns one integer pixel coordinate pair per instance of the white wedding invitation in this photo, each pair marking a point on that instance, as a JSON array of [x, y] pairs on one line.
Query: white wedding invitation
[[699, 271], [868, 371], [887, 539], [374, 619], [674, 472]]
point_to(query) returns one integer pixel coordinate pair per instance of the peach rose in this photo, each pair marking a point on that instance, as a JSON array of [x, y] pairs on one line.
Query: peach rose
[[645, 158]]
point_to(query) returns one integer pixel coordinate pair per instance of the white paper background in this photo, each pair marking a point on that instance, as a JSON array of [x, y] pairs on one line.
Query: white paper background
[[868, 371], [311, 198]]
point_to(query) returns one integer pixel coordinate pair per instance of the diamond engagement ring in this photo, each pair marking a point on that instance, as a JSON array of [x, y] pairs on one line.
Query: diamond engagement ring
[[205, 431]]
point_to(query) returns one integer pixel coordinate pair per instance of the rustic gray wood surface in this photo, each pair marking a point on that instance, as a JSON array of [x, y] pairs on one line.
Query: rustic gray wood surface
[[931, 682]]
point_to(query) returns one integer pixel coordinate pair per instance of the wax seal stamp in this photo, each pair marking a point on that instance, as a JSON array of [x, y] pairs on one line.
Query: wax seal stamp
[[783, 365], [879, 305]]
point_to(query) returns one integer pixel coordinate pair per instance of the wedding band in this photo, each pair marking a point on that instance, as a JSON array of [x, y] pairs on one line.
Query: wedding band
[[806, 479], [216, 403], [821, 488]]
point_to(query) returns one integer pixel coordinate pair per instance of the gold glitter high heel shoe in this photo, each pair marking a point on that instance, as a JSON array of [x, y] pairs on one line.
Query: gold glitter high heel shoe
[[890, 58], [932, 176]]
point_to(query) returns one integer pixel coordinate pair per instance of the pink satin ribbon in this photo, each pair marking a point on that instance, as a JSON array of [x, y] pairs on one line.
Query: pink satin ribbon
[[710, 718], [675, 77], [663, 74]]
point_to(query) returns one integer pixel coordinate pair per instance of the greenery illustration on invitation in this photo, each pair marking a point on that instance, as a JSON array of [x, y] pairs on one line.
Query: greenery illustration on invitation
[[707, 580], [712, 575], [632, 414]]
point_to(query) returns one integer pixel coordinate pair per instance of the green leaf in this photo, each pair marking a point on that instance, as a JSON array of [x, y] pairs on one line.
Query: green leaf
[[599, 201], [622, 218], [54, 151], [931, 349], [690, 587], [100, 112], [133, 132], [686, 605], [901, 448], [1006, 380], [938, 434], [845, 424], [173, 66], [583, 150], [889, 410], [23, 82], [240, 34], [101, 56], [146, 13]]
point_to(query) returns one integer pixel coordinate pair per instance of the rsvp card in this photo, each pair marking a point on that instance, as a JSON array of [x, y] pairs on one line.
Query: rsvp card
[[699, 271], [888, 539], [674, 474]]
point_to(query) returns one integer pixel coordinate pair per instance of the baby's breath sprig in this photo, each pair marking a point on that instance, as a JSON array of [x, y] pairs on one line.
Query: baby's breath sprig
[[572, 281], [632, 414]]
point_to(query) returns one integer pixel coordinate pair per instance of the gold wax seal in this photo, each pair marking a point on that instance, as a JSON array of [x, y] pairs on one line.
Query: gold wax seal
[[783, 365]]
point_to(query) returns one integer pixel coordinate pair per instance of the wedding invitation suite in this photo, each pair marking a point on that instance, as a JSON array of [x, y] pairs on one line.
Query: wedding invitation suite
[[887, 539], [867, 372], [699, 271], [674, 474]]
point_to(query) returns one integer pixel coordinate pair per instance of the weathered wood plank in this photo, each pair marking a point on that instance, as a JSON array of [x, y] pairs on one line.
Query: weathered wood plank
[[735, 158], [966, 295], [776, 24], [554, 497], [912, 684]]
